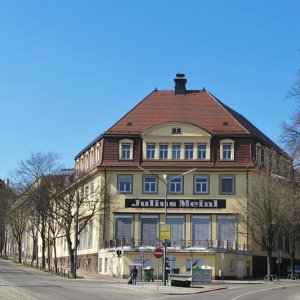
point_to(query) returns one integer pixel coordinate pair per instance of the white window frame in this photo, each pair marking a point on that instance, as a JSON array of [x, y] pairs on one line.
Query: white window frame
[[150, 151], [188, 151], [202, 153], [147, 185], [123, 179], [175, 182], [176, 151], [163, 152], [201, 184], [126, 154], [227, 154]]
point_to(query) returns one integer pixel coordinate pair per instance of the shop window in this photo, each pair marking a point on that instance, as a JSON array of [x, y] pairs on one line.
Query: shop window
[[227, 228], [123, 228], [201, 230]]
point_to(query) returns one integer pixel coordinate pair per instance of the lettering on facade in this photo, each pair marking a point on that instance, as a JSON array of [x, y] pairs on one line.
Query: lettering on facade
[[180, 203]]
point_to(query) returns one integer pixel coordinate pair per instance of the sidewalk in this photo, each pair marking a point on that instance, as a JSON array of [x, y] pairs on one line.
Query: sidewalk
[[158, 287]]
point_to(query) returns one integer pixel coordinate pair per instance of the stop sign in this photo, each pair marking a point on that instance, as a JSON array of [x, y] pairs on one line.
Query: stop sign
[[158, 253]]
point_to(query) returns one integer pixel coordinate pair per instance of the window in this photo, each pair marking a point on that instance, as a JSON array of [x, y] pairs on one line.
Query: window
[[227, 228], [150, 184], [177, 229], [188, 151], [201, 230], [126, 151], [86, 235], [227, 184], [123, 227], [149, 230], [201, 184], [176, 151], [202, 151], [125, 184], [227, 149], [176, 130], [163, 151], [175, 184], [150, 152]]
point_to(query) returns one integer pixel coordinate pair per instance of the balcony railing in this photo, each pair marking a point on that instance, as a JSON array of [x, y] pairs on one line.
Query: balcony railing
[[215, 245]]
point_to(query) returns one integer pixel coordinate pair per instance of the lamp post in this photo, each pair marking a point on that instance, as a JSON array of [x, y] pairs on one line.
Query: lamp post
[[166, 182]]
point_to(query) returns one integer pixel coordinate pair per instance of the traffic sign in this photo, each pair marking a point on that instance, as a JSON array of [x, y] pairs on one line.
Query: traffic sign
[[158, 253], [165, 231]]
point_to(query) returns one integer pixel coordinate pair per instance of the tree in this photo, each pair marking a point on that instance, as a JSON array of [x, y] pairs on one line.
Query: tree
[[263, 213], [290, 136], [76, 207], [17, 219], [6, 198], [32, 182], [291, 229]]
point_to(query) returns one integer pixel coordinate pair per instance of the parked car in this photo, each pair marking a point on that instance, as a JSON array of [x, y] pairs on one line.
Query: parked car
[[296, 269]]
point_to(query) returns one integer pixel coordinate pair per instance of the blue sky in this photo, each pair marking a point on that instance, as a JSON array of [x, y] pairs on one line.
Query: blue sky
[[70, 69]]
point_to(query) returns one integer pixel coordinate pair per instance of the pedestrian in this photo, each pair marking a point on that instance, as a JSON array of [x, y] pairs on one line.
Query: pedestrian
[[133, 274]]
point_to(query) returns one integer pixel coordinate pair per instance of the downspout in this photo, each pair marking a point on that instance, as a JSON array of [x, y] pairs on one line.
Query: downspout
[[104, 207]]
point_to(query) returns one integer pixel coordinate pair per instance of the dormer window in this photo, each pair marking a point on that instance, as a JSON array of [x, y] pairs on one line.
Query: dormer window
[[126, 150], [176, 130], [227, 150]]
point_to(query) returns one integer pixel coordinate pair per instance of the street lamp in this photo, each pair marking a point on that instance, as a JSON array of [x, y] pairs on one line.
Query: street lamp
[[165, 180]]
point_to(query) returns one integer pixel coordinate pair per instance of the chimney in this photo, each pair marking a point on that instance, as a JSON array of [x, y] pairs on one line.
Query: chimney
[[180, 82]]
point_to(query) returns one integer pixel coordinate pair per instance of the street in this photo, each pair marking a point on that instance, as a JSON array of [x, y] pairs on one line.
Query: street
[[20, 282]]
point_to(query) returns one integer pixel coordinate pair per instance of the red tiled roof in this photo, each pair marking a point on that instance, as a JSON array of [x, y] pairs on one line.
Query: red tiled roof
[[195, 107]]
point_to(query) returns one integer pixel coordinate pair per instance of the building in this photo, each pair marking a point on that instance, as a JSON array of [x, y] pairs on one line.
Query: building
[[179, 157]]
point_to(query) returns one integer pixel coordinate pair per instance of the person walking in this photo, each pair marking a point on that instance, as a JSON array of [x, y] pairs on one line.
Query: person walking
[[133, 273]]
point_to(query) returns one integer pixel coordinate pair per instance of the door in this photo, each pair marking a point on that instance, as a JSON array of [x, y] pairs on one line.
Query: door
[[240, 269]]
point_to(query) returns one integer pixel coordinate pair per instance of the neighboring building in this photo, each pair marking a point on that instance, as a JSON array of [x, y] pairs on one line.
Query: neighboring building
[[169, 133]]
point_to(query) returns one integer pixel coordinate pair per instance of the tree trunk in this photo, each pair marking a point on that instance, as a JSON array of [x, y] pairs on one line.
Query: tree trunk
[[269, 263], [43, 248], [55, 255], [20, 250], [72, 263]]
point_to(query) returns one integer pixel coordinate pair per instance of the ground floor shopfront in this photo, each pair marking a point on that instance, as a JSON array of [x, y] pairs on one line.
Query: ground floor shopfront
[[118, 262]]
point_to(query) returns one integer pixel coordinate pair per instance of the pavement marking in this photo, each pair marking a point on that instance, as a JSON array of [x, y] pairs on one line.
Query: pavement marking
[[262, 290]]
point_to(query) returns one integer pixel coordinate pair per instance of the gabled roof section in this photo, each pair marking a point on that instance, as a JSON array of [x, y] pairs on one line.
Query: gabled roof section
[[194, 107], [198, 107]]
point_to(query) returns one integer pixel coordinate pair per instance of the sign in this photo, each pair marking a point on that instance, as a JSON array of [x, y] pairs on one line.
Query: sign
[[158, 253], [165, 231], [181, 203]]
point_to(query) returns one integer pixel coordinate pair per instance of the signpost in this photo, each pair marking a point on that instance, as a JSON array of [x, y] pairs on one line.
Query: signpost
[[158, 253]]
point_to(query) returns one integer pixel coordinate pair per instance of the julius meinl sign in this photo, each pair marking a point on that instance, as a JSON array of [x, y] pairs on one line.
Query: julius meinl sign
[[180, 203]]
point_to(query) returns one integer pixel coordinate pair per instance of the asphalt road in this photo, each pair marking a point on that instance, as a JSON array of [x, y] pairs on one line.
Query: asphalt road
[[20, 282], [285, 290]]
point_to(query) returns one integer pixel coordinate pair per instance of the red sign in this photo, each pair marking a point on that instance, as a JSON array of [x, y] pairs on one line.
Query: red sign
[[158, 253]]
